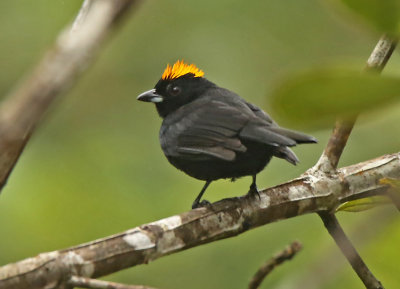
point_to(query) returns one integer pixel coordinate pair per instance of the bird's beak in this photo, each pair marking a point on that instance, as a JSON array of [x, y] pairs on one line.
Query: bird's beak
[[150, 96]]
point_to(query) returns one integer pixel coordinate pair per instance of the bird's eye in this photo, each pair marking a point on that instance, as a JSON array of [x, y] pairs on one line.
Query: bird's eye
[[175, 90]]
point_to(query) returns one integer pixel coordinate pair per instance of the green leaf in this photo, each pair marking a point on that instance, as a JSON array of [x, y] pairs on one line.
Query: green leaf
[[363, 204], [317, 97], [384, 15]]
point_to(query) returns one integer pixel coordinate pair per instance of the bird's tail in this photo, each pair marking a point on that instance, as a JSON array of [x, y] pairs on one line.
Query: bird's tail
[[294, 135], [286, 154]]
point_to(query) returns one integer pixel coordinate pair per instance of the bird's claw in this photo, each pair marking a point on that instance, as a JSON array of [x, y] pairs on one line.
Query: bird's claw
[[253, 191], [203, 203]]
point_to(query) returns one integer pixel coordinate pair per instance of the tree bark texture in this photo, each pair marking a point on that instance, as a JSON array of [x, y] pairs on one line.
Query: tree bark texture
[[312, 192]]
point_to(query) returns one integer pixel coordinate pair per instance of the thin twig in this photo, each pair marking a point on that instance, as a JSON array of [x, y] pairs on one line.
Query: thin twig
[[316, 276], [329, 160], [330, 157], [381, 53], [83, 282], [287, 254], [345, 245]]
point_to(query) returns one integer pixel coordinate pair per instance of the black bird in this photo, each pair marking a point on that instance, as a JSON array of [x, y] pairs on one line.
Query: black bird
[[212, 133]]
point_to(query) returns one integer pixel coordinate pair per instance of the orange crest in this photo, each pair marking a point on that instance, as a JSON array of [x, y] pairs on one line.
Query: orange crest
[[180, 68]]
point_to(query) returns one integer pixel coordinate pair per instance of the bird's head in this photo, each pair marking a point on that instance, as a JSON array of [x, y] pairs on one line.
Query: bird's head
[[179, 85]]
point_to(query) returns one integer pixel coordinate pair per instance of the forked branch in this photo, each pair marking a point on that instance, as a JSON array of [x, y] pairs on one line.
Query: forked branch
[[227, 218], [329, 160]]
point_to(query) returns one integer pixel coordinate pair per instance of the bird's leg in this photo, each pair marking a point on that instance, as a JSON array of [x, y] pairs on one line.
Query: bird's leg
[[197, 203], [253, 188]]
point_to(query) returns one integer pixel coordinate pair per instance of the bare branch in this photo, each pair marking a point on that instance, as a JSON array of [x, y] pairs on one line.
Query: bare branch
[[329, 160], [83, 282], [381, 53], [337, 233], [364, 232], [56, 72], [312, 192], [330, 157], [287, 254]]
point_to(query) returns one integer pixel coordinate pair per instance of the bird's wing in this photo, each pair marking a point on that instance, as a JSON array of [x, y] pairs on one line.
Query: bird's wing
[[217, 130], [259, 113], [272, 126], [285, 138], [261, 128], [209, 132]]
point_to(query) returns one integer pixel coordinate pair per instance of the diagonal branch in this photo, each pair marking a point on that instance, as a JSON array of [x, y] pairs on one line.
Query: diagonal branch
[[56, 72], [227, 218], [329, 160], [316, 276], [345, 245]]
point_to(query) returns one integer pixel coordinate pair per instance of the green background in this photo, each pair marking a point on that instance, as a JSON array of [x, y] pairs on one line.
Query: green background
[[94, 166]]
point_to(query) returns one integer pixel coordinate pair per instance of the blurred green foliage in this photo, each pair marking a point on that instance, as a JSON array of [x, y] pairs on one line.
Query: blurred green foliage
[[318, 96], [383, 15], [94, 167]]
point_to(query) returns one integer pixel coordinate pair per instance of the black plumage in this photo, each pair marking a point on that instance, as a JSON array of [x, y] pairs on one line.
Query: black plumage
[[212, 133]]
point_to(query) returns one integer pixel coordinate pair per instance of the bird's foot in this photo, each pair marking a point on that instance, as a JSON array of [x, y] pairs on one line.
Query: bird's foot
[[203, 203], [253, 191]]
